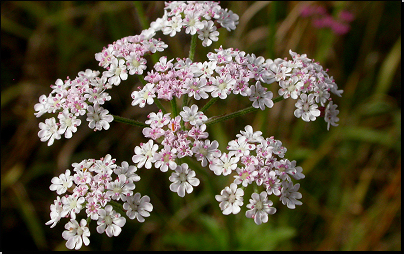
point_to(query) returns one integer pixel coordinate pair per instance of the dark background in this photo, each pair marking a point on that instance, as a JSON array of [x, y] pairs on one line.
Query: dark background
[[352, 190]]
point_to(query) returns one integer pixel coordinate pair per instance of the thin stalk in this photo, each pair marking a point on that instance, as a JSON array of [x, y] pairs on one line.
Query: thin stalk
[[174, 106], [210, 103], [193, 47], [120, 119], [158, 104]]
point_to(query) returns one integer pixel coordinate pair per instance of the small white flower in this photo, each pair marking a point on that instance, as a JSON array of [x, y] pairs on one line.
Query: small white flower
[[224, 165], [251, 136], [331, 113], [128, 171], [289, 195], [144, 155], [145, 95], [240, 147], [173, 26], [76, 234], [208, 33], [230, 198], [206, 151], [261, 97], [260, 207], [49, 131], [306, 109], [62, 183], [183, 179], [117, 71], [165, 159], [68, 123], [222, 86], [137, 207], [135, 63], [55, 214], [120, 188], [290, 88], [193, 116], [110, 221], [98, 117], [72, 204]]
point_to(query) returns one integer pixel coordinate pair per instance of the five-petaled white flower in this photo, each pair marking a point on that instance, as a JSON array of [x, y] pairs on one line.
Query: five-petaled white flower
[[76, 234], [259, 207], [183, 179], [230, 198], [144, 155], [49, 131], [137, 207], [110, 221], [62, 183]]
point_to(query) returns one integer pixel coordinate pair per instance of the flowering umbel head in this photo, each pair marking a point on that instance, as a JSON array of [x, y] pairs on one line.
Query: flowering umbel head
[[105, 192]]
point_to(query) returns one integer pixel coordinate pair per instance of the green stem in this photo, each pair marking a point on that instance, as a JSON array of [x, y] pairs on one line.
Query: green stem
[[174, 106], [241, 112], [193, 47], [158, 104], [120, 119], [117, 207], [210, 103]]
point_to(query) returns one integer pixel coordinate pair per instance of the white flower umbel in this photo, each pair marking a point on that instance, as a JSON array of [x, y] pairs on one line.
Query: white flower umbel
[[230, 198], [49, 131], [62, 183], [260, 207], [289, 195], [144, 155], [76, 234], [137, 207], [110, 221], [183, 179]]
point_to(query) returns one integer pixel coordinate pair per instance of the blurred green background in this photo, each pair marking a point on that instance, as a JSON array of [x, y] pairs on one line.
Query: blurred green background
[[352, 190]]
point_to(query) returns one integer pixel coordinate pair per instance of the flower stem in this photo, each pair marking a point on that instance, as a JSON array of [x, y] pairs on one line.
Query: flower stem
[[193, 47], [174, 106], [241, 112], [120, 119], [158, 104], [210, 103]]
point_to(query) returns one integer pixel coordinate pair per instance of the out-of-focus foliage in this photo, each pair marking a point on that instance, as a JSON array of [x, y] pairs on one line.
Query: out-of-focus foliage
[[352, 190]]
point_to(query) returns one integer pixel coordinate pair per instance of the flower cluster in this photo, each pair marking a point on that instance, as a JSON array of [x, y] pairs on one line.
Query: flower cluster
[[169, 141], [202, 18], [95, 187], [321, 19], [260, 161]]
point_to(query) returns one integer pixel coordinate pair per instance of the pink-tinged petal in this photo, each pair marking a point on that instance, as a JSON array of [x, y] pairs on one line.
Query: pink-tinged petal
[[120, 221]]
